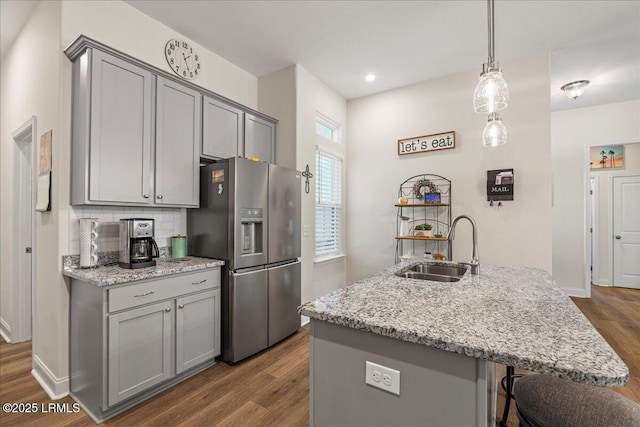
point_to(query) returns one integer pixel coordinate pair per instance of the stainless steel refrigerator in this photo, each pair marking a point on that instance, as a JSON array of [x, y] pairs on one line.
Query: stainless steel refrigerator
[[249, 216]]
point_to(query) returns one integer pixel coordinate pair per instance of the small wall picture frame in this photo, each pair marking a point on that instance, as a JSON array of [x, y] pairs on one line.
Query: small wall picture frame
[[432, 198]]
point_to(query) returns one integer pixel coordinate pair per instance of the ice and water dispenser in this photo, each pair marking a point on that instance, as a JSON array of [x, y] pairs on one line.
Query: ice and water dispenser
[[251, 223]]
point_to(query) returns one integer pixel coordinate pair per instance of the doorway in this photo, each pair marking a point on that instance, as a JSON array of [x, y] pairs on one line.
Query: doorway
[[23, 229], [593, 235], [626, 231]]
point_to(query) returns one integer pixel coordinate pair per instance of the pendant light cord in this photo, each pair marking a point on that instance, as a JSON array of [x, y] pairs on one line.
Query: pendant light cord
[[491, 32]]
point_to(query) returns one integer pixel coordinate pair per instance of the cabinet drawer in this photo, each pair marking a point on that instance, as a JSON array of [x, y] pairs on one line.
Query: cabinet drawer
[[160, 289]]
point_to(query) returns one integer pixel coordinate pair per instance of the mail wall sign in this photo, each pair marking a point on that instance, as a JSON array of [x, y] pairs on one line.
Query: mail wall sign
[[500, 184]]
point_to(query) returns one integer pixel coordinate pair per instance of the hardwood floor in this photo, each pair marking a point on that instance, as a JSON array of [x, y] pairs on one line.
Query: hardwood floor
[[272, 388]]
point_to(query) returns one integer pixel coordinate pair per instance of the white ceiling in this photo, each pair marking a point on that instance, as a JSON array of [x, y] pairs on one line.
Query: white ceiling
[[405, 42]]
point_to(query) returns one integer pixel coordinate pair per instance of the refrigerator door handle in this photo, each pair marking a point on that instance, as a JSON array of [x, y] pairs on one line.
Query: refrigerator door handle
[[245, 271], [283, 264]]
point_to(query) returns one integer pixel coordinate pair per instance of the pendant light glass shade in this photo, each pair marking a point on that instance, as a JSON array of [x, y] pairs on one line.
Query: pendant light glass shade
[[492, 92], [494, 133]]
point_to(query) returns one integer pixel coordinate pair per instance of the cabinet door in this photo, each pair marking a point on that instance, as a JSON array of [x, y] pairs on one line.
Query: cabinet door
[[139, 350], [197, 329], [222, 130], [259, 138], [177, 144], [120, 141]]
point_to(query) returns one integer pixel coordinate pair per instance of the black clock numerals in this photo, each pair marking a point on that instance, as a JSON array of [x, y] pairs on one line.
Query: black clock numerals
[[182, 59]]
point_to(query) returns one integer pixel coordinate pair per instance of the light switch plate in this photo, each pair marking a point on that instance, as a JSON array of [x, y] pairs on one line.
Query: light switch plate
[[306, 231], [382, 377]]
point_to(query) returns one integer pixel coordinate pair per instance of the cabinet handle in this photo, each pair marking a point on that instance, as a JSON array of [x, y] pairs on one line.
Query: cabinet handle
[[159, 196], [144, 294], [181, 306], [200, 282], [167, 309], [146, 196]]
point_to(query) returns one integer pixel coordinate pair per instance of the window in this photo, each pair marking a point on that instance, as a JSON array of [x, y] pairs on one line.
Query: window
[[326, 128], [328, 204]]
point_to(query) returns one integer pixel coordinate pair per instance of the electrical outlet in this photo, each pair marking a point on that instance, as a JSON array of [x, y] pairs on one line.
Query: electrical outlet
[[381, 377]]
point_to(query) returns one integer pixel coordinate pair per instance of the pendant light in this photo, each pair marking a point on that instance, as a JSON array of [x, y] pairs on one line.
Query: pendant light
[[494, 133], [492, 91]]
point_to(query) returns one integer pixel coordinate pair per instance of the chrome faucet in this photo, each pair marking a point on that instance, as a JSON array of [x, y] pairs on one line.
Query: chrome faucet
[[475, 262]]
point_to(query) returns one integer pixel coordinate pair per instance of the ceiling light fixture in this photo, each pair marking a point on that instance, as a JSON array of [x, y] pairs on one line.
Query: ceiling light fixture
[[575, 89], [492, 91], [494, 133], [370, 77]]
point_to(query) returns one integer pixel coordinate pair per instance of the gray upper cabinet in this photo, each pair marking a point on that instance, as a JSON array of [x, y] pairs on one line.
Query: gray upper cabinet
[[259, 138], [116, 146], [177, 144], [124, 117], [222, 129]]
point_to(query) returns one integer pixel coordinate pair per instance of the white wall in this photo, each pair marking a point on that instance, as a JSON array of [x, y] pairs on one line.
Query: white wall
[[31, 87], [277, 98], [313, 96], [128, 30], [572, 132], [519, 232]]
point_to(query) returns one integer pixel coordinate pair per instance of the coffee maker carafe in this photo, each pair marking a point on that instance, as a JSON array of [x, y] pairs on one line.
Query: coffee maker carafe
[[137, 247]]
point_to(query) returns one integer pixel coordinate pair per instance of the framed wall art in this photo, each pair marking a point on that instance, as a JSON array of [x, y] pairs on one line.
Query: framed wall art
[[606, 157]]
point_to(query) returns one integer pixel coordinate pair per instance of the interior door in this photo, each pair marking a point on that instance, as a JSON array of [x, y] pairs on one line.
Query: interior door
[[626, 231], [284, 299]]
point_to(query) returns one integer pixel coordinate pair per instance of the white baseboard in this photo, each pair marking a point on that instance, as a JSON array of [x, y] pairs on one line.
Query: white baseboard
[[603, 282], [303, 320], [5, 331], [56, 388], [580, 293]]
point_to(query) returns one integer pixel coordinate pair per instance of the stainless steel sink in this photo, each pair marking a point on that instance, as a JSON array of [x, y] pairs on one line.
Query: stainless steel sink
[[435, 272]]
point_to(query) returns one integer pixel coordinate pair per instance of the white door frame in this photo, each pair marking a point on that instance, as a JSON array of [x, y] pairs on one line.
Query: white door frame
[[610, 224], [22, 293], [593, 223]]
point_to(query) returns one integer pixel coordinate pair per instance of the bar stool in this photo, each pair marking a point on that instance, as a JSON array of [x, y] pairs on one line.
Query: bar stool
[[544, 401], [507, 385]]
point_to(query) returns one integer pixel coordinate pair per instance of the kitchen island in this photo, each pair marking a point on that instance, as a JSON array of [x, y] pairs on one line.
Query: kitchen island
[[444, 338]]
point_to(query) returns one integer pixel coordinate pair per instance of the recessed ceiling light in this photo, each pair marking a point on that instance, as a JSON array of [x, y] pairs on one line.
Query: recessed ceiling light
[[370, 77]]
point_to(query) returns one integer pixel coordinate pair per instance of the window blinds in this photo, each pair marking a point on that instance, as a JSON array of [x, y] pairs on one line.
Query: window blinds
[[328, 204]]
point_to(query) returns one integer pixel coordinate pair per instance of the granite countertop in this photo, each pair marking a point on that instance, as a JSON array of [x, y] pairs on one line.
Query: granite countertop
[[515, 316], [113, 275]]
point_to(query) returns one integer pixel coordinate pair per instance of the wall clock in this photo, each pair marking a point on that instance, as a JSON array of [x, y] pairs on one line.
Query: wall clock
[[182, 59]]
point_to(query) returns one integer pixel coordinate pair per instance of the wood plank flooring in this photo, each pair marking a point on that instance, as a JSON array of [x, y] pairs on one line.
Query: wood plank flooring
[[272, 388]]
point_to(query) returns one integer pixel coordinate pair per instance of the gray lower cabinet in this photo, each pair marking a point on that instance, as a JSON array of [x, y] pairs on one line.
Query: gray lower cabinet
[[259, 138], [222, 129], [194, 341], [139, 350], [129, 342]]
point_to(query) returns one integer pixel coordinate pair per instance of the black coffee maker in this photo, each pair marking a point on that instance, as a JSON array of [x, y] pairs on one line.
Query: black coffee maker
[[137, 247]]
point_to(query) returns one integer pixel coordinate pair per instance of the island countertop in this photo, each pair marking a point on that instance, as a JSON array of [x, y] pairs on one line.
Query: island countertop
[[515, 316], [113, 275]]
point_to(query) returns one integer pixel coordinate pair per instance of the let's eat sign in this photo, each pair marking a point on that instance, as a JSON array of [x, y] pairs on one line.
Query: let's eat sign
[[422, 144]]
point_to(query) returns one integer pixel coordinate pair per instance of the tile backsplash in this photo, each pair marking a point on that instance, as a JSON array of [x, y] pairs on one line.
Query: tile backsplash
[[168, 222]]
